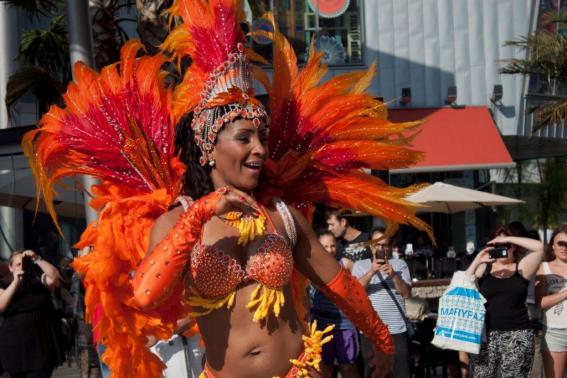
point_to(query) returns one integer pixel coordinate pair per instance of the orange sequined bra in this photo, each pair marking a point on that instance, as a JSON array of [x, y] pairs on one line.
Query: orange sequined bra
[[216, 275]]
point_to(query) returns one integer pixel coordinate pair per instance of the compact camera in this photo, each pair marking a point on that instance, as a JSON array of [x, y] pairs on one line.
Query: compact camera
[[499, 251], [31, 270], [27, 264]]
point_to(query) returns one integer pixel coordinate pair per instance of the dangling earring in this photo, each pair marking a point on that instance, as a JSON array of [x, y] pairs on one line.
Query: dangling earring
[[211, 163]]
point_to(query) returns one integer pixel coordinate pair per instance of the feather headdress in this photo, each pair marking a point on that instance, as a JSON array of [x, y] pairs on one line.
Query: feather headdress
[[217, 87]]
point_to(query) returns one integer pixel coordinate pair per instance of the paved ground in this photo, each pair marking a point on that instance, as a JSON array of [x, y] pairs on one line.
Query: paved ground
[[67, 371], [73, 370]]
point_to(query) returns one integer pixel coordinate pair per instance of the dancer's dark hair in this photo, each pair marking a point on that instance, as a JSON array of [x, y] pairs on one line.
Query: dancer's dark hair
[[196, 180]]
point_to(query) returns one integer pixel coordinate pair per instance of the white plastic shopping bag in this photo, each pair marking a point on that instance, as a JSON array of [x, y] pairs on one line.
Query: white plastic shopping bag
[[460, 318]]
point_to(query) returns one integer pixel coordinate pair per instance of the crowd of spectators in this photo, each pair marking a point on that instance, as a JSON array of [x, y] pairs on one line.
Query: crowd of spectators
[[507, 283], [41, 304]]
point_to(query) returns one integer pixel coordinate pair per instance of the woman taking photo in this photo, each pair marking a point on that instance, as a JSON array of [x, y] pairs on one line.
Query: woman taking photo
[[29, 335], [503, 280], [214, 224], [551, 295]]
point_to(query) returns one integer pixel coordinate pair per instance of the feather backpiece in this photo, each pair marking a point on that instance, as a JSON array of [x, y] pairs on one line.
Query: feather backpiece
[[323, 140], [117, 127], [323, 135]]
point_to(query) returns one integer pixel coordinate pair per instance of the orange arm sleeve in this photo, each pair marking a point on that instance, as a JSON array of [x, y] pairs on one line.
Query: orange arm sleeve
[[162, 269], [349, 296]]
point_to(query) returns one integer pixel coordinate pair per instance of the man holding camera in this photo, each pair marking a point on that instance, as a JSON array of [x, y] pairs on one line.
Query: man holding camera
[[388, 283]]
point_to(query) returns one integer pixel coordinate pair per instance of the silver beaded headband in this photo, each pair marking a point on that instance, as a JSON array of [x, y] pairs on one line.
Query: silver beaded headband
[[232, 78]]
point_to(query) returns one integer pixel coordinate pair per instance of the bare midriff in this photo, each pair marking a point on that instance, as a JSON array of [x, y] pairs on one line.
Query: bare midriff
[[236, 346]]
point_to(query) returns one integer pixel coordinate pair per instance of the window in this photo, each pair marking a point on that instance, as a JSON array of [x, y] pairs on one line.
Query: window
[[336, 28]]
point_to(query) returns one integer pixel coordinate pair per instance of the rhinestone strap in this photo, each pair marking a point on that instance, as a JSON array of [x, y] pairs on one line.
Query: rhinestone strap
[[185, 201], [289, 222]]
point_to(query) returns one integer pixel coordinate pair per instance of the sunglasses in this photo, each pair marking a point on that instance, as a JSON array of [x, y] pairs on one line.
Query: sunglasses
[[562, 243]]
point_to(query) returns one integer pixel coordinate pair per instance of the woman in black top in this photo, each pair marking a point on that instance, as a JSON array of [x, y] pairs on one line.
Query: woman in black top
[[504, 284], [28, 335]]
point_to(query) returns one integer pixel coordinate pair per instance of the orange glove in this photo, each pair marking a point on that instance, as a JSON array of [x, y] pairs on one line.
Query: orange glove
[[163, 268], [348, 294]]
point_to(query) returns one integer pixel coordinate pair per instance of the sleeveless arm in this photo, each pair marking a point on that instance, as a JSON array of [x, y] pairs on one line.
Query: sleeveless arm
[[163, 268], [288, 221]]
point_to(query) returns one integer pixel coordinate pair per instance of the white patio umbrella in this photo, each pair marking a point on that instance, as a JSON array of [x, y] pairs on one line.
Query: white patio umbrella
[[445, 198]]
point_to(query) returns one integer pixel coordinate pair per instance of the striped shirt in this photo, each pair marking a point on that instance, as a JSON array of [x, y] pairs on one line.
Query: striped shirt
[[381, 298]]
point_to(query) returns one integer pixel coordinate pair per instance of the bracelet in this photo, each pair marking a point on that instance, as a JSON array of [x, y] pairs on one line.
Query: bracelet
[[37, 259]]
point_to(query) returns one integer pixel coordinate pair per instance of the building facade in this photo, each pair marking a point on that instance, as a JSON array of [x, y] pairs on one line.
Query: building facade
[[438, 56]]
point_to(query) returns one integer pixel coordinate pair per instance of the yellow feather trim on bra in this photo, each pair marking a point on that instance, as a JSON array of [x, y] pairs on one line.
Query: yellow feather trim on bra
[[265, 298], [262, 298], [195, 300]]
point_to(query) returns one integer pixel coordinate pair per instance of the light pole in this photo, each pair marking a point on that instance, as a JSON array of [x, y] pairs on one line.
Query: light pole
[[81, 50]]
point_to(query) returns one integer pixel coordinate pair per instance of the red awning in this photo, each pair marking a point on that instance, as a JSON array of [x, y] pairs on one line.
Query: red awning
[[455, 139]]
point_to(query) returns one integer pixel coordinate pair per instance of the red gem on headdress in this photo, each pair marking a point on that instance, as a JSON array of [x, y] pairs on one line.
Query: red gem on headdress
[[221, 68], [232, 58], [244, 112], [197, 109], [211, 137], [202, 160], [256, 122], [240, 47], [218, 121]]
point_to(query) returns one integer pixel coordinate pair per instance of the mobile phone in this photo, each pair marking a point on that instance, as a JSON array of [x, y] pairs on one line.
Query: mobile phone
[[381, 255], [499, 251]]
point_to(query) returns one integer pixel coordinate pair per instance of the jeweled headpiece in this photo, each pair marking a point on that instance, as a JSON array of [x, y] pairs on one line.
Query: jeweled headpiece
[[231, 80], [217, 86]]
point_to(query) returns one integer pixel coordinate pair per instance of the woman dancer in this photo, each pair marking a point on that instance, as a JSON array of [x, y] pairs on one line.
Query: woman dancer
[[234, 254], [551, 294]]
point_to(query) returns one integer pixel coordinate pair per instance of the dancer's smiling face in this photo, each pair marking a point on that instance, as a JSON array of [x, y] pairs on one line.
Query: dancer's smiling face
[[239, 154]]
